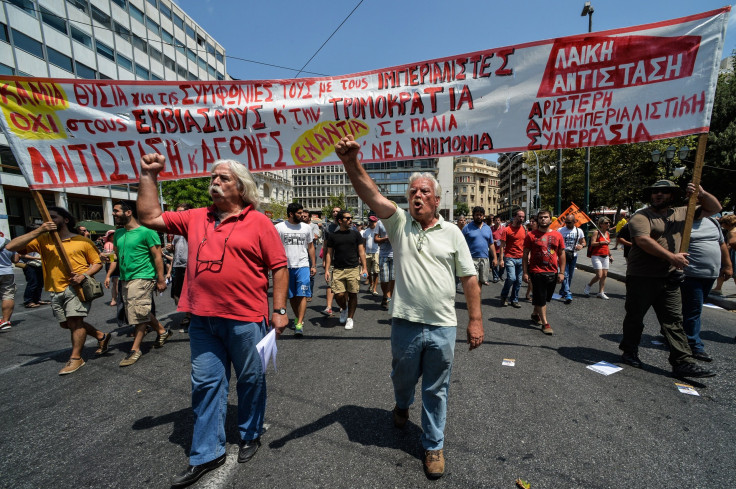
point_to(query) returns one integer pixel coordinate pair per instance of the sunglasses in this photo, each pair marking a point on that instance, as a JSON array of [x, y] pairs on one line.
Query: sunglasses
[[666, 192]]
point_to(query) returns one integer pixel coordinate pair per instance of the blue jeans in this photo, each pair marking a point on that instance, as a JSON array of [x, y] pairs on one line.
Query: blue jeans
[[427, 351], [694, 291], [514, 272], [569, 271], [497, 272], [215, 344], [34, 284]]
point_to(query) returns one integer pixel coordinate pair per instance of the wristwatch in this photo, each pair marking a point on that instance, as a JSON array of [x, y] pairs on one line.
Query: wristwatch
[[281, 311]]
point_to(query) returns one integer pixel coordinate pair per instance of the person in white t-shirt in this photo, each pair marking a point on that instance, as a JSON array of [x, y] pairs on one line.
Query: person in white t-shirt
[[298, 243], [371, 253], [574, 242]]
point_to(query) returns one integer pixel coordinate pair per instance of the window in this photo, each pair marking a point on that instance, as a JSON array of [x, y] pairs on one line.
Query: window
[[220, 57], [191, 55], [165, 11], [136, 13], [52, 20], [104, 77], [140, 43], [84, 71], [190, 32], [122, 31], [210, 48], [27, 44], [142, 72], [25, 5], [6, 70], [178, 21], [155, 54], [220, 76], [4, 33], [121, 3], [152, 25], [191, 76], [200, 40], [125, 62], [59, 59], [168, 38], [211, 70], [81, 36], [179, 46], [80, 4], [101, 17], [105, 51], [155, 77], [169, 63], [153, 2], [202, 64], [181, 71]]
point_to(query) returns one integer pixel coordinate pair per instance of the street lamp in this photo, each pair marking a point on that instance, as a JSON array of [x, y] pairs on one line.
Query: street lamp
[[587, 10], [510, 162], [669, 156], [447, 208]]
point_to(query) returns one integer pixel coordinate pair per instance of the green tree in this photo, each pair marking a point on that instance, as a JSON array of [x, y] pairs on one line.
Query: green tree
[[461, 209], [332, 202], [192, 190], [277, 209], [720, 153]]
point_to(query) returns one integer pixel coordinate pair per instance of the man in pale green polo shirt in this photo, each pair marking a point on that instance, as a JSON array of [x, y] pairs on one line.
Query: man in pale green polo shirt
[[428, 253]]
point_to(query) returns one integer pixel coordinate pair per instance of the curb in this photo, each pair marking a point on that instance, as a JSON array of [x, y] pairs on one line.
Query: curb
[[723, 302]]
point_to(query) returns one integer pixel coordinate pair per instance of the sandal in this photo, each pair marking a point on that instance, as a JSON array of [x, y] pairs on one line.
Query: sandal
[[44, 303], [31, 305]]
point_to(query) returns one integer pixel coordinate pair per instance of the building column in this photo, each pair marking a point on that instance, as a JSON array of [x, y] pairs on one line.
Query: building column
[[107, 211]]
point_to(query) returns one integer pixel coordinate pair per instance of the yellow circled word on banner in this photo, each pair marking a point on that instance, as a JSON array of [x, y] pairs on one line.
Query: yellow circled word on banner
[[315, 144], [29, 108]]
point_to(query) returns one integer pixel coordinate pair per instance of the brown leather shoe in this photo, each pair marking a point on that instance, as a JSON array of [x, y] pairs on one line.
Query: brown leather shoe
[[401, 416], [434, 463]]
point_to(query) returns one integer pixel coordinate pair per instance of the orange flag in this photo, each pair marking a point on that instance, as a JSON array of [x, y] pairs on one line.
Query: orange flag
[[580, 217]]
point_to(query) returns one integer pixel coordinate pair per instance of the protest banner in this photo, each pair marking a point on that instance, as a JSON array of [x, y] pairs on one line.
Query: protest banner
[[620, 86], [580, 217]]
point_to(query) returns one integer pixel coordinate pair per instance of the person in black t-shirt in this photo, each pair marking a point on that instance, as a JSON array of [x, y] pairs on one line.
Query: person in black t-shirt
[[346, 253]]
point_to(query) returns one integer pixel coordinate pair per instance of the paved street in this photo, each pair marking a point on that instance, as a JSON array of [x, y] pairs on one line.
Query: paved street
[[548, 419]]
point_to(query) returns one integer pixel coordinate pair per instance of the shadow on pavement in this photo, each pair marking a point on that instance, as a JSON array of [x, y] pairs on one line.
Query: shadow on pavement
[[367, 426], [589, 356]]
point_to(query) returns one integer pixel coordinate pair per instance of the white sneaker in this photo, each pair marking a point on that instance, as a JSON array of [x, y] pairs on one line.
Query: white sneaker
[[586, 290], [343, 316], [349, 324], [602, 295]]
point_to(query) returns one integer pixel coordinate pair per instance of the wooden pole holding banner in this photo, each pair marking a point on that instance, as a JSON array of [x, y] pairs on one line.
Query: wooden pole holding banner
[[66, 265], [697, 172]]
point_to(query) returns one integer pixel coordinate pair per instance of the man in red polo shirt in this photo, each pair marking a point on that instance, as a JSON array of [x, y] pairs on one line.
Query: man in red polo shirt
[[544, 266], [232, 247], [512, 249]]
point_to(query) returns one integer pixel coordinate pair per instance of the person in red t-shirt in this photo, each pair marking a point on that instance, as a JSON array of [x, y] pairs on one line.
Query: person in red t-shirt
[[512, 249], [232, 248], [497, 230], [600, 257], [544, 265]]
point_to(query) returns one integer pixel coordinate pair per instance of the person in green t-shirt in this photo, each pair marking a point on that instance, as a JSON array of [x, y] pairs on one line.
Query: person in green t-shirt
[[141, 272]]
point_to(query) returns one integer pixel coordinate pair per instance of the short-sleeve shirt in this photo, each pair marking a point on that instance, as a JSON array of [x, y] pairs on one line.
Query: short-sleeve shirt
[[426, 263], [345, 245], [135, 260], [514, 241], [497, 234], [544, 250], [296, 239], [666, 230], [81, 252], [227, 279], [181, 251], [384, 249], [6, 259], [705, 249], [368, 235], [479, 239], [572, 237]]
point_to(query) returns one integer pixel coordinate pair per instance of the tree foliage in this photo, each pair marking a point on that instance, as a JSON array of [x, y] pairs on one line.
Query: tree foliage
[[192, 190], [277, 209], [332, 202], [461, 209]]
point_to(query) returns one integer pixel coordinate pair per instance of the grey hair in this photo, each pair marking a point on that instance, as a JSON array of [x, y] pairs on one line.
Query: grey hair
[[246, 184], [429, 176]]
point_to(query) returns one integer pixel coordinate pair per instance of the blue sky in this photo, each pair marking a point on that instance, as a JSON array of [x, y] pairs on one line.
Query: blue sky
[[382, 33]]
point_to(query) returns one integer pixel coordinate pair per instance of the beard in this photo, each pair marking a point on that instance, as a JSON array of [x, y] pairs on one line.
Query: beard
[[217, 190]]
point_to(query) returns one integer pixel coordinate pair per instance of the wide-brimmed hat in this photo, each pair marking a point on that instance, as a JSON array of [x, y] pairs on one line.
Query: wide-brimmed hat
[[663, 185]]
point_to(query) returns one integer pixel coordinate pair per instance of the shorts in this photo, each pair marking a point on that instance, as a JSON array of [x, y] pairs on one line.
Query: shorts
[[483, 269], [386, 272], [543, 285], [7, 287], [371, 263], [177, 281], [599, 262], [68, 305], [299, 285], [346, 279], [138, 297]]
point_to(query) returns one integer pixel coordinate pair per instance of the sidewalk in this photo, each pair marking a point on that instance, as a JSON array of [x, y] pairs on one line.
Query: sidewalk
[[617, 271]]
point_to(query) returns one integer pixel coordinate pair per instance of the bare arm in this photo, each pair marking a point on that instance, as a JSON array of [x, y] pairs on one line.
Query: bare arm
[[361, 253], [327, 261], [471, 289], [347, 150], [149, 208], [312, 260], [726, 265], [20, 243], [280, 288], [709, 204], [650, 246], [158, 263], [525, 265]]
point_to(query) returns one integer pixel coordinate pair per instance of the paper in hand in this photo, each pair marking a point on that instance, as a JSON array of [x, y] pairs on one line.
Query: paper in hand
[[267, 349]]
